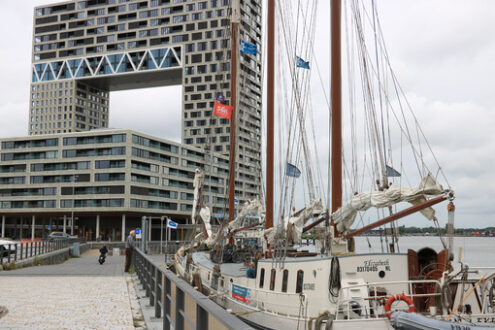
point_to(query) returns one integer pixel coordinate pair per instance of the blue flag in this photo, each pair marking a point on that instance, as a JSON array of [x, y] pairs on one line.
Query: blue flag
[[300, 63], [292, 170], [391, 172], [219, 97], [248, 48], [171, 224]]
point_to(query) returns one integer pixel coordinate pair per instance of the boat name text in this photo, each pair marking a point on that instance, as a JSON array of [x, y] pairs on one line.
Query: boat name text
[[372, 266]]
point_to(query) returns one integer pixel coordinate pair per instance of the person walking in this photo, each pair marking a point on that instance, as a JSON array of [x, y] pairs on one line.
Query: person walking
[[129, 246]]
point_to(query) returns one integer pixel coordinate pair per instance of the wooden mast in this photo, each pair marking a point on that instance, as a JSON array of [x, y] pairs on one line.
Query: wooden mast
[[336, 94], [270, 109], [233, 102]]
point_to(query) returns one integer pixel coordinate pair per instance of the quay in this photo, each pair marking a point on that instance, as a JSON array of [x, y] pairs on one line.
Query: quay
[[82, 294]]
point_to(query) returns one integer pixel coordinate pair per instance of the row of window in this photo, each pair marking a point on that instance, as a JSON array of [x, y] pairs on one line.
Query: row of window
[[154, 144], [144, 204], [79, 203], [49, 204], [81, 5], [115, 138], [285, 279], [29, 144]]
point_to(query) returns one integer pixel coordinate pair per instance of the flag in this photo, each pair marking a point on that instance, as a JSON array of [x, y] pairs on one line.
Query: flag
[[236, 201], [391, 172], [223, 110], [292, 171], [171, 224], [248, 48], [219, 97], [300, 63]]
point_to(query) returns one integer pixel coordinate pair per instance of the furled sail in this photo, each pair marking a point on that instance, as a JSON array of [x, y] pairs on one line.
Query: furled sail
[[199, 179], [204, 212], [344, 217], [250, 209], [293, 226]]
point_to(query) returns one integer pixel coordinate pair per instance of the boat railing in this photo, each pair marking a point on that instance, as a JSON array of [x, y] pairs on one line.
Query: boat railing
[[374, 301]]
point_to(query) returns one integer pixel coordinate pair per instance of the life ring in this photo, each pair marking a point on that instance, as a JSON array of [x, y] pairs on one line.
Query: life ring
[[400, 296]]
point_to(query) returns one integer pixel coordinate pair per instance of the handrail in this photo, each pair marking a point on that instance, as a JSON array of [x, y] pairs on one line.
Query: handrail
[[161, 285], [20, 251]]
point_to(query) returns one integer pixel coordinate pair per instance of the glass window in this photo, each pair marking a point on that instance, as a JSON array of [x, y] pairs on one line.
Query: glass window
[[272, 279], [262, 277], [285, 279], [300, 279]]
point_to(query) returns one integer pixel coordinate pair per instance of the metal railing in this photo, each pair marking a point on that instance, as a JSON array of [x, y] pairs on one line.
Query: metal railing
[[170, 247], [20, 251], [177, 302], [376, 310]]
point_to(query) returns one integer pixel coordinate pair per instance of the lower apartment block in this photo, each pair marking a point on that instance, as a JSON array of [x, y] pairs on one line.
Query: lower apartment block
[[106, 180]]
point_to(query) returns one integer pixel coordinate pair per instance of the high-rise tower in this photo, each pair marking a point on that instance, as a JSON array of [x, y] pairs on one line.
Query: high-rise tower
[[84, 50]]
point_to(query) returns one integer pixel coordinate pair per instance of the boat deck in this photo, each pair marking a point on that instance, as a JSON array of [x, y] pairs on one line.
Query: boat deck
[[230, 269]]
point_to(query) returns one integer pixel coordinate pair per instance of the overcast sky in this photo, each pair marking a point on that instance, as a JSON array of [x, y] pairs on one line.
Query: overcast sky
[[443, 53]]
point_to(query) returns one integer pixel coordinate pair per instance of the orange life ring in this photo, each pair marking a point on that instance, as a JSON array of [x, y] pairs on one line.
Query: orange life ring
[[400, 296]]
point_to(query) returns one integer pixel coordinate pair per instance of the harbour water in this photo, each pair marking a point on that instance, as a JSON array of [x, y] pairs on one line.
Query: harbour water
[[476, 251]]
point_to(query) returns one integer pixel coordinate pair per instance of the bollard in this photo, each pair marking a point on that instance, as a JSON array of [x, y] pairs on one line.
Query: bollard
[[75, 249]]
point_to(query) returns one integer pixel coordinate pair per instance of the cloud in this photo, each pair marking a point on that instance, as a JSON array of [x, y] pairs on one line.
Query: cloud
[[154, 111], [442, 53]]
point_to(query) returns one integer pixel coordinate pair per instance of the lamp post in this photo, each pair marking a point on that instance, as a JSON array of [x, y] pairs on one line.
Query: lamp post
[[74, 178], [161, 234]]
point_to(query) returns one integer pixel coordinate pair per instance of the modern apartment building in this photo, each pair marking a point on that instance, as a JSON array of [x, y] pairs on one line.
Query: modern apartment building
[[105, 179], [85, 49]]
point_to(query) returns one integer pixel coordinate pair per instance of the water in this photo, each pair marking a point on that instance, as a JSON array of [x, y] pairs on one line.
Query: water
[[476, 251]]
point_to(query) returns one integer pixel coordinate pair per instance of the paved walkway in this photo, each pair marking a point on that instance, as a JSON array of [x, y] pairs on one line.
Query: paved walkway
[[78, 294]]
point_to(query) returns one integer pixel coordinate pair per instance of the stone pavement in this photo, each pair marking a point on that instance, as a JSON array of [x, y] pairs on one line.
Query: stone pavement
[[78, 294]]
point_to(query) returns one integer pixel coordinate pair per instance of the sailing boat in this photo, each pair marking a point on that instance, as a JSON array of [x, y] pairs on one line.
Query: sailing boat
[[334, 288]]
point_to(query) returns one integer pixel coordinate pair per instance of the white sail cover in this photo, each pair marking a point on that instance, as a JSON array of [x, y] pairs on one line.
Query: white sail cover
[[199, 179], [249, 209], [295, 224], [204, 212], [344, 217]]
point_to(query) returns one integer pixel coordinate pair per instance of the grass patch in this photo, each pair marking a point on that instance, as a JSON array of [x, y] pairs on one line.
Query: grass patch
[[73, 256], [132, 269], [37, 261], [10, 266]]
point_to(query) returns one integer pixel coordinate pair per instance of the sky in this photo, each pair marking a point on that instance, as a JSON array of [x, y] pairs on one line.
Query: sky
[[443, 53]]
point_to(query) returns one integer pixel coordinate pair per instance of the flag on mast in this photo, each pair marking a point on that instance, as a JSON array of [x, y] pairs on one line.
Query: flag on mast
[[223, 110], [292, 171], [248, 48], [300, 63], [391, 172], [171, 224]]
